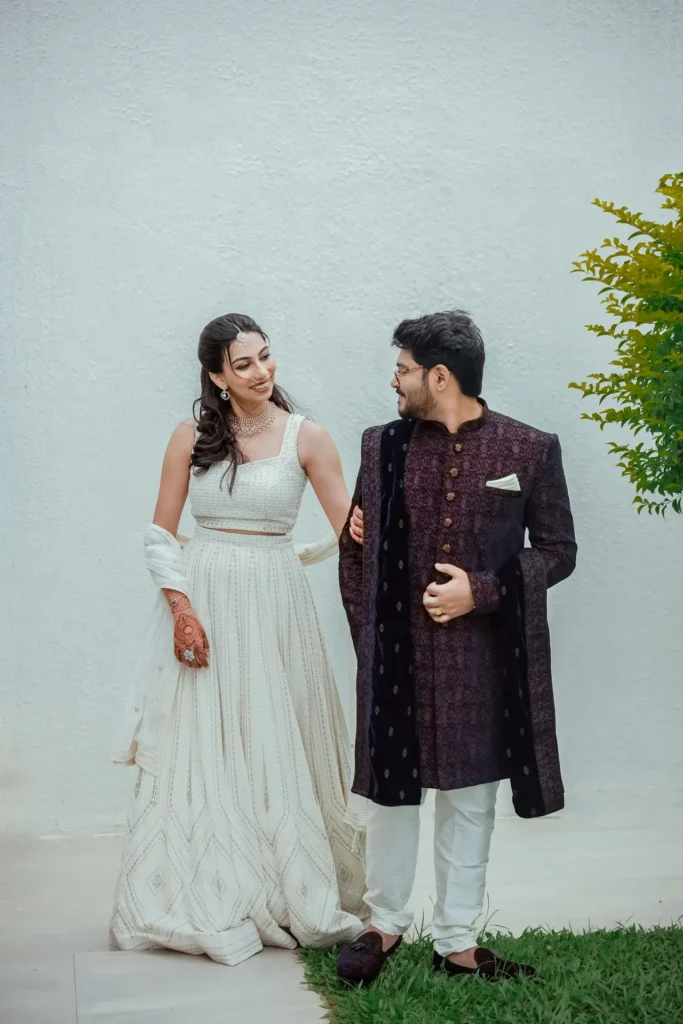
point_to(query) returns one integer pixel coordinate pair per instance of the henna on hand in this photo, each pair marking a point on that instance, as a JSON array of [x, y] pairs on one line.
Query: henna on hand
[[177, 601], [188, 632]]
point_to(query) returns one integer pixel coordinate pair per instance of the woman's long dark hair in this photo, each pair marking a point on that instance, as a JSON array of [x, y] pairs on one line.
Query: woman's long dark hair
[[216, 441]]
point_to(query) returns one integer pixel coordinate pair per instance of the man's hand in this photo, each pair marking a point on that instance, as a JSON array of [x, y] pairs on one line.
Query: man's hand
[[446, 601], [356, 526]]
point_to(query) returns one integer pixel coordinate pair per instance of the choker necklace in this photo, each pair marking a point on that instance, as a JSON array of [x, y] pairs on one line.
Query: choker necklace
[[250, 426]]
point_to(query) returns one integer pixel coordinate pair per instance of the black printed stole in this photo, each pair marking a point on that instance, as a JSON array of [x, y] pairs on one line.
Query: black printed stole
[[394, 747], [527, 791]]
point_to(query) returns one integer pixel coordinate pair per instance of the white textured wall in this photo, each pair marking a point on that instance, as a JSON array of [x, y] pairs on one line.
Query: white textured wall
[[330, 169]]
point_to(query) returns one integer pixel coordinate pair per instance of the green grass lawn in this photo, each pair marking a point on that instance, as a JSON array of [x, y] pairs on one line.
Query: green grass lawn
[[628, 976]]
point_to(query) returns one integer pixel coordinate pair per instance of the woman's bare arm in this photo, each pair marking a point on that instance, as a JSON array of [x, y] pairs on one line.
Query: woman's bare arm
[[175, 478], [188, 633], [320, 460]]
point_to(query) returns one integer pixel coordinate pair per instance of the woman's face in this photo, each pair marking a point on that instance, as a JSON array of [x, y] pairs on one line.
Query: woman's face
[[248, 371]]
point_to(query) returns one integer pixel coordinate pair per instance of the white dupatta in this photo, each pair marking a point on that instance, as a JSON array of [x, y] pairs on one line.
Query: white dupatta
[[156, 670]]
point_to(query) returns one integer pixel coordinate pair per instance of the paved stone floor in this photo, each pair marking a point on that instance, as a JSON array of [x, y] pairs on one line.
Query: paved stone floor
[[55, 898]]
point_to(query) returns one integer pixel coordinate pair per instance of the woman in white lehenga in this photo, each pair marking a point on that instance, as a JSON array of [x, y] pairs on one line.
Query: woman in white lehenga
[[239, 834]]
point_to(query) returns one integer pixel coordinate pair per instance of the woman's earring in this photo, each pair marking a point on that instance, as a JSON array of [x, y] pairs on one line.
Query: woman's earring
[[225, 395]]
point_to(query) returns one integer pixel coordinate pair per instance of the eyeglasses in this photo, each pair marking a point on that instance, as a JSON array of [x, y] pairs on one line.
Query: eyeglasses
[[401, 371]]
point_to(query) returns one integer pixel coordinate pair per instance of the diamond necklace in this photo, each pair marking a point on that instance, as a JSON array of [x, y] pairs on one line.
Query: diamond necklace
[[250, 426]]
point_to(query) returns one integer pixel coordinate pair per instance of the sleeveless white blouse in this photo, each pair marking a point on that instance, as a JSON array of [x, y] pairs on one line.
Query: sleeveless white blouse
[[266, 496]]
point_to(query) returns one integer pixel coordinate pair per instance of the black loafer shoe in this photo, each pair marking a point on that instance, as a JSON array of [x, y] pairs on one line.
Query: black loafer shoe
[[488, 966], [361, 961]]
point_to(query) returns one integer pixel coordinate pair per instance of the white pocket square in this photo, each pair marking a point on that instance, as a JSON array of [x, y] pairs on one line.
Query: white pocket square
[[506, 483]]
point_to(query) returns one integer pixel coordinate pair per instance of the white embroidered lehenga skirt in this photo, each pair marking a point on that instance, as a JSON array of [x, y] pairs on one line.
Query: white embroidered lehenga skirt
[[241, 838]]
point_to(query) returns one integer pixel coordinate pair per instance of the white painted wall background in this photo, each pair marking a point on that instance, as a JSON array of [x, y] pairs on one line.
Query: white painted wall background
[[328, 168]]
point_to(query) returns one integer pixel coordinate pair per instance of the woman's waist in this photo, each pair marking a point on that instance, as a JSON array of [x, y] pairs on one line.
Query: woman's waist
[[256, 525], [249, 538]]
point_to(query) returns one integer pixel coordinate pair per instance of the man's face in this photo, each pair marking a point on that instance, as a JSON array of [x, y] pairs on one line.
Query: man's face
[[411, 384]]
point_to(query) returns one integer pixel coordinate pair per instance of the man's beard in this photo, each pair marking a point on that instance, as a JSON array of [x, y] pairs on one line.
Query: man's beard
[[419, 406]]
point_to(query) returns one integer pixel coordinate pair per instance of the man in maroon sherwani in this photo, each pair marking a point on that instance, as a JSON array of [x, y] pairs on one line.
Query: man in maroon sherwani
[[447, 609]]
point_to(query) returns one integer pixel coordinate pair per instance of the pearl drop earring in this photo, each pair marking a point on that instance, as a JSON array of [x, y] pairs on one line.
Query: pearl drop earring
[[225, 394]]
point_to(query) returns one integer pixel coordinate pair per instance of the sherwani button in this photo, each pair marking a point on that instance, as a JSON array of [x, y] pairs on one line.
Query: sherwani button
[[446, 548], [448, 522], [450, 496], [453, 472]]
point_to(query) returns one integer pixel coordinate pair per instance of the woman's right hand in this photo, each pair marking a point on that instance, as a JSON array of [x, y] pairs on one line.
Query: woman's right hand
[[190, 642]]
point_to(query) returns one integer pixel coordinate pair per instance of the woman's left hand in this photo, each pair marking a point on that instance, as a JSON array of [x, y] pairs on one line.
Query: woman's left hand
[[356, 526]]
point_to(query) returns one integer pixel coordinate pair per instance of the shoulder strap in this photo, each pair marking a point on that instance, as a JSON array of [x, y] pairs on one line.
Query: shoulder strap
[[290, 440]]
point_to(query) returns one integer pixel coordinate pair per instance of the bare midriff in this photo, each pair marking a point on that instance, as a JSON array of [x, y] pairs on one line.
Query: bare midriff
[[247, 533]]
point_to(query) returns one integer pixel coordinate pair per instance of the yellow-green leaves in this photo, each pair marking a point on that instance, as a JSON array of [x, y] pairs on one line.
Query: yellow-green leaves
[[643, 292]]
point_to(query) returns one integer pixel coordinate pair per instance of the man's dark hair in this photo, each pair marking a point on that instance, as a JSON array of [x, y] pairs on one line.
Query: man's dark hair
[[450, 339]]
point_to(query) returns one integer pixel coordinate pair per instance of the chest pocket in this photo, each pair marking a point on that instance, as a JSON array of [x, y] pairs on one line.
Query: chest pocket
[[506, 528], [502, 503]]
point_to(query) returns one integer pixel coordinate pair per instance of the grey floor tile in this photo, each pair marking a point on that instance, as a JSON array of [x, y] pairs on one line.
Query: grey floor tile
[[38, 993], [55, 895], [151, 988]]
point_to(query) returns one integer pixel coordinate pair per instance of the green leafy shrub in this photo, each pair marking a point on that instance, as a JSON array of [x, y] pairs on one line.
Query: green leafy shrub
[[642, 282]]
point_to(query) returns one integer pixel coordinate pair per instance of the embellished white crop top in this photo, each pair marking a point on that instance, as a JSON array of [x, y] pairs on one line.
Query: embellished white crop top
[[266, 496]]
